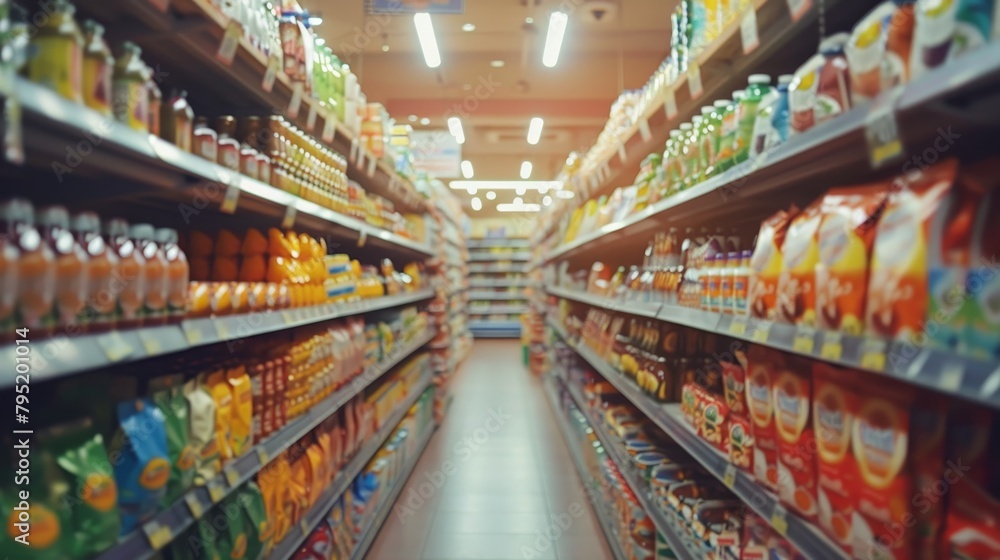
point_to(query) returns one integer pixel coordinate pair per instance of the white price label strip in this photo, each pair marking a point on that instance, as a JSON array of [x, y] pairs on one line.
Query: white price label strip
[[371, 165], [644, 131], [232, 198], [748, 31], [694, 80], [158, 535], [670, 105], [622, 154], [329, 126], [311, 119], [230, 43], [273, 66], [296, 102], [289, 220]]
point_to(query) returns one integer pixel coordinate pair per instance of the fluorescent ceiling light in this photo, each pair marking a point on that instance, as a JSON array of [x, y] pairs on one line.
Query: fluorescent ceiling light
[[497, 63], [469, 27], [525, 170], [425, 121], [467, 171], [477, 204], [535, 130], [519, 208], [455, 127], [490, 195], [554, 38], [505, 185], [425, 32], [547, 201], [473, 190]]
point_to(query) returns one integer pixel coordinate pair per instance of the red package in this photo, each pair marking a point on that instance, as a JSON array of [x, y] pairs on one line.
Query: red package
[[796, 439], [973, 524], [714, 424], [739, 442], [761, 364], [835, 404], [319, 545], [928, 427], [734, 384]]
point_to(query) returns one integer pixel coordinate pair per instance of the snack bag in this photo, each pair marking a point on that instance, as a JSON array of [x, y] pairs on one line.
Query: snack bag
[[761, 371], [714, 423], [905, 240], [259, 528], [765, 264], [835, 403], [846, 236], [144, 466], [183, 456], [201, 429], [319, 545], [218, 386], [792, 389], [945, 30], [233, 536], [739, 442], [796, 294], [200, 542], [981, 311], [241, 425]]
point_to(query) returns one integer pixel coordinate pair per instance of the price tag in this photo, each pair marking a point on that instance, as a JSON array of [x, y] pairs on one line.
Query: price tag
[[311, 118], [158, 535], [215, 491], [304, 525], [232, 477], [739, 326], [329, 126], [287, 317], [273, 66], [363, 238], [222, 329], [230, 42], [805, 340], [779, 519], [729, 477], [192, 334], [882, 130], [289, 220], [873, 355], [361, 158], [670, 105], [748, 31], [150, 343], [262, 456], [232, 198], [355, 148], [114, 345], [798, 8], [194, 505], [694, 80], [951, 377], [161, 5], [622, 154], [605, 171], [762, 332], [371, 165], [644, 131], [13, 137], [298, 89], [833, 346]]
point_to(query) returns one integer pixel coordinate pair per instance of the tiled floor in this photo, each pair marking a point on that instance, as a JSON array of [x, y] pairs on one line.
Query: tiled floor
[[495, 478]]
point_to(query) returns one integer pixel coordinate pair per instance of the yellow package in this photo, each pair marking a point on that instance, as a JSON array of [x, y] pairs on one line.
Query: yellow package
[[315, 463], [241, 427], [218, 387]]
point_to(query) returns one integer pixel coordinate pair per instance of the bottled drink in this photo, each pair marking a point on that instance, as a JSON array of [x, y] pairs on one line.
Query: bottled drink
[[747, 115]]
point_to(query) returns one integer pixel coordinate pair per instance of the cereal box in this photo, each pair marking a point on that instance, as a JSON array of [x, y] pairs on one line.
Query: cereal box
[[792, 388], [834, 406], [739, 442]]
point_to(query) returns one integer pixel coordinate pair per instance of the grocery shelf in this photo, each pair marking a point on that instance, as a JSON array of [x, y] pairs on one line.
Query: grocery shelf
[[495, 329], [590, 484], [497, 268], [389, 499], [682, 548], [498, 284], [498, 310], [184, 512], [287, 548], [492, 257], [498, 296], [62, 355], [641, 309], [164, 172], [942, 370], [806, 537], [960, 95], [507, 242]]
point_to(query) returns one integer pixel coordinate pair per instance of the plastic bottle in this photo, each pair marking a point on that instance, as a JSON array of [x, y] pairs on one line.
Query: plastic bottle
[[205, 141], [719, 108], [672, 162], [177, 122], [101, 298], [155, 102], [763, 134], [685, 148], [705, 133], [709, 282], [780, 123], [35, 265], [727, 134], [741, 284], [129, 277], [9, 256], [833, 95], [177, 273], [747, 115], [58, 58], [229, 148], [130, 97], [154, 307], [98, 65], [727, 281], [693, 175], [70, 264]]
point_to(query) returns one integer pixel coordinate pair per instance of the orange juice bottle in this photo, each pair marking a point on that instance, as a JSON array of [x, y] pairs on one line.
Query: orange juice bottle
[[177, 273], [9, 257], [128, 281], [154, 306], [101, 299], [71, 266], [36, 267]]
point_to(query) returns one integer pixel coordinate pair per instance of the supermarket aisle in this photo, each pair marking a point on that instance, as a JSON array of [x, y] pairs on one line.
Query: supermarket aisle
[[495, 478]]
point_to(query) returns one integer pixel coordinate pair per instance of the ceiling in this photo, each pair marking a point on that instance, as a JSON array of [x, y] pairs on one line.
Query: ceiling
[[599, 59]]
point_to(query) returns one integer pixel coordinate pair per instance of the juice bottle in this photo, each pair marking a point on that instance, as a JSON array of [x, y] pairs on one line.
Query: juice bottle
[[97, 66], [101, 297], [780, 120], [692, 169], [716, 264], [705, 277], [58, 59], [763, 134], [177, 121], [130, 101], [128, 275], [727, 273], [71, 266], [719, 109], [155, 102], [177, 273], [205, 141], [727, 133], [741, 283], [154, 299], [9, 257], [229, 148], [706, 151], [685, 148], [36, 266], [747, 115], [672, 161]]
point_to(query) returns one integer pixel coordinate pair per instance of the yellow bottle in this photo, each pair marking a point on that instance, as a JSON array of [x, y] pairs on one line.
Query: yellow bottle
[[97, 66], [131, 98], [58, 60]]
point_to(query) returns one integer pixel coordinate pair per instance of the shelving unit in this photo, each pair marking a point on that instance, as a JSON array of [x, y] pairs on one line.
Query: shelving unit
[[493, 312]]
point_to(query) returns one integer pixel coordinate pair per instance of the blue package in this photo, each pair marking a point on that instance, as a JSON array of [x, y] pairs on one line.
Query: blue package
[[141, 462]]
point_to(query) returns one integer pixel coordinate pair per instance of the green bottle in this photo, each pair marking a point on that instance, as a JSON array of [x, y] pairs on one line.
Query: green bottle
[[684, 148], [719, 108], [705, 143], [727, 135], [760, 85], [671, 160], [694, 153]]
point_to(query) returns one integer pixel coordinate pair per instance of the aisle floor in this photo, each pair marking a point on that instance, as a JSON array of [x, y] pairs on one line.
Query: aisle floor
[[496, 477]]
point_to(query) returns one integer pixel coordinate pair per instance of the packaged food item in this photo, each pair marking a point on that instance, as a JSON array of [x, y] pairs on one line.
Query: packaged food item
[[154, 308], [47, 535], [32, 266], [945, 30], [130, 101], [734, 384], [201, 429], [796, 295], [981, 335], [101, 295], [259, 529], [177, 121], [318, 546], [241, 425], [898, 45], [217, 386], [71, 267], [762, 369], [765, 136], [792, 387], [760, 86], [201, 541], [228, 147], [144, 466], [908, 244], [183, 457], [835, 404], [234, 535], [205, 141], [740, 443], [766, 264], [846, 236], [58, 59], [130, 272], [878, 51], [802, 92], [97, 67], [714, 421]]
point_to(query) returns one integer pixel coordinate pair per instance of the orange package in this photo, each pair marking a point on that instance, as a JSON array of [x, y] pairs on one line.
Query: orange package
[[879, 441], [762, 366], [241, 426], [796, 440], [765, 264], [218, 387], [314, 455], [845, 244], [796, 295], [912, 223], [835, 403], [928, 428]]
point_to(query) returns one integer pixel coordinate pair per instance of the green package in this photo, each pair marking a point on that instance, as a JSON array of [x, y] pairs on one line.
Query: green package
[[183, 459], [231, 522], [259, 529], [92, 494], [44, 530], [200, 542]]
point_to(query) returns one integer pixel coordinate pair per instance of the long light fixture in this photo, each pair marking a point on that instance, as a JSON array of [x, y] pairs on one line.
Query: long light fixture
[[535, 130], [554, 38], [506, 185], [477, 204], [519, 208], [525, 170], [467, 170], [428, 43], [565, 194], [455, 128]]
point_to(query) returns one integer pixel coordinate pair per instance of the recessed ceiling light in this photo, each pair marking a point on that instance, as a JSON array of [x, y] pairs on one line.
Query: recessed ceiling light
[[385, 47], [518, 201], [473, 190], [529, 20], [425, 121], [535, 130], [455, 127], [469, 27], [526, 170], [519, 191], [547, 200], [320, 41], [554, 38], [497, 63], [477, 204], [490, 195], [467, 170], [413, 118]]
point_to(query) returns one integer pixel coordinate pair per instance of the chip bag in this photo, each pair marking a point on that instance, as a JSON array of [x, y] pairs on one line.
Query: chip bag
[[183, 457], [201, 429], [144, 465]]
